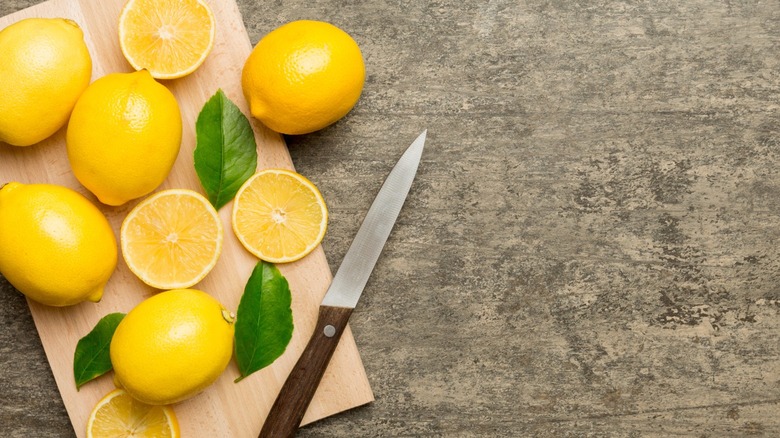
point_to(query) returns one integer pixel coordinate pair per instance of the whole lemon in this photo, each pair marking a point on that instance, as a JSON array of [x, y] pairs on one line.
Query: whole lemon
[[172, 346], [57, 247], [303, 76], [123, 136], [44, 68]]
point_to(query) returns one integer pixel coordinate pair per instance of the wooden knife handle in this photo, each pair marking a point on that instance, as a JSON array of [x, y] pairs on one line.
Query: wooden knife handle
[[291, 403]]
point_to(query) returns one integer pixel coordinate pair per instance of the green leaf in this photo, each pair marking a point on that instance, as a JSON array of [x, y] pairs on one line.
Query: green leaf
[[225, 152], [92, 357], [264, 322]]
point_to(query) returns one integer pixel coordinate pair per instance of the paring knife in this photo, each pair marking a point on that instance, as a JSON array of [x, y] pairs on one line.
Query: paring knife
[[342, 296]]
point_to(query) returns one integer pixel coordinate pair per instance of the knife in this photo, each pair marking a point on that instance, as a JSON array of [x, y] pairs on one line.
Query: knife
[[342, 296]]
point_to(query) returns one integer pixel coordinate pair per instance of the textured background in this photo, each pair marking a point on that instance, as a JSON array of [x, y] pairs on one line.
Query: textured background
[[591, 246]]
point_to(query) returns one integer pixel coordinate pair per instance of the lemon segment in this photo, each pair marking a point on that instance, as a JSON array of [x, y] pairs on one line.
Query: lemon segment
[[172, 239], [169, 38], [279, 215], [118, 415]]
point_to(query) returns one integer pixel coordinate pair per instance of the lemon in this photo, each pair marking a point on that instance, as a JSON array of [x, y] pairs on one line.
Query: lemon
[[303, 76], [57, 247], [279, 215], [172, 346], [123, 136], [172, 239], [170, 38], [118, 414], [45, 66]]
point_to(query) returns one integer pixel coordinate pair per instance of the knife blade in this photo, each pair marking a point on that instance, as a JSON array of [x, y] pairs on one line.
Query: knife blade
[[342, 296]]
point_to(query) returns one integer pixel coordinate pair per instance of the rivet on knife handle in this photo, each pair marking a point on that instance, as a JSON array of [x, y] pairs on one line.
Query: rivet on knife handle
[[290, 406]]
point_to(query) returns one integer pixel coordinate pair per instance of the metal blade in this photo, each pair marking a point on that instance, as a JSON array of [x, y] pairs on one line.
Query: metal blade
[[362, 255]]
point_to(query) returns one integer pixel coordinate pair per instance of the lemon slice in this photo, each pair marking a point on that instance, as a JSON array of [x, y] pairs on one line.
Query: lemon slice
[[279, 215], [172, 239], [119, 415], [170, 38]]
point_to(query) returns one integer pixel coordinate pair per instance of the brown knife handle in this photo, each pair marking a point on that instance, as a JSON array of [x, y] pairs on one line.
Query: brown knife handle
[[296, 393]]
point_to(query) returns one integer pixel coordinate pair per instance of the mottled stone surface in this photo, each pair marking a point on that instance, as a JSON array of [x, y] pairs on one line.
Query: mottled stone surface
[[591, 247]]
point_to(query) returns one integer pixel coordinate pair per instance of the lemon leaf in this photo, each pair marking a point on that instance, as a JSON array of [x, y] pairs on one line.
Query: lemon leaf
[[92, 358], [225, 152], [264, 322]]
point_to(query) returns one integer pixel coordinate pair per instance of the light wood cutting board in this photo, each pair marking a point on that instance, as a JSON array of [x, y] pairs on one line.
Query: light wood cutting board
[[226, 409]]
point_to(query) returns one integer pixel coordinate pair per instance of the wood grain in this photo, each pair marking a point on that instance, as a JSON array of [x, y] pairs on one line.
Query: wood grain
[[225, 409]]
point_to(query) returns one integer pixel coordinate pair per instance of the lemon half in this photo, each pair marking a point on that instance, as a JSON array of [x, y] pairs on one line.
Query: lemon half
[[172, 239], [118, 414], [170, 38], [279, 215]]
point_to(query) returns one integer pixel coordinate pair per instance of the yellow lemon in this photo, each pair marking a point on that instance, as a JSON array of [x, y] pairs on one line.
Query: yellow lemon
[[279, 215], [45, 66], [57, 247], [172, 239], [172, 346], [118, 414], [170, 38], [303, 76], [123, 136]]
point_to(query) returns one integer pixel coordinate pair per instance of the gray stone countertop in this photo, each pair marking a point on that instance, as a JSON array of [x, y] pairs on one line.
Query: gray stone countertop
[[591, 246]]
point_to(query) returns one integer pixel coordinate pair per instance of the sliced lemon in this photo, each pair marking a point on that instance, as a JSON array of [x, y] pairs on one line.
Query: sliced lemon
[[172, 239], [170, 38], [117, 415], [279, 215]]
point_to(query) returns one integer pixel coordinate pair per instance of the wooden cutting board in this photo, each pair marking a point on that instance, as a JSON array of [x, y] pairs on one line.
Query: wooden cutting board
[[226, 409]]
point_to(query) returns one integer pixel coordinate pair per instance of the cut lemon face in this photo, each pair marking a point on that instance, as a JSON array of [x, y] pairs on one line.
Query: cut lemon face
[[172, 239], [118, 415], [170, 38], [279, 215]]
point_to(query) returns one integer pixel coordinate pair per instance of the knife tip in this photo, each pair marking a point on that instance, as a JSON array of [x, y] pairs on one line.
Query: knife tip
[[420, 140]]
